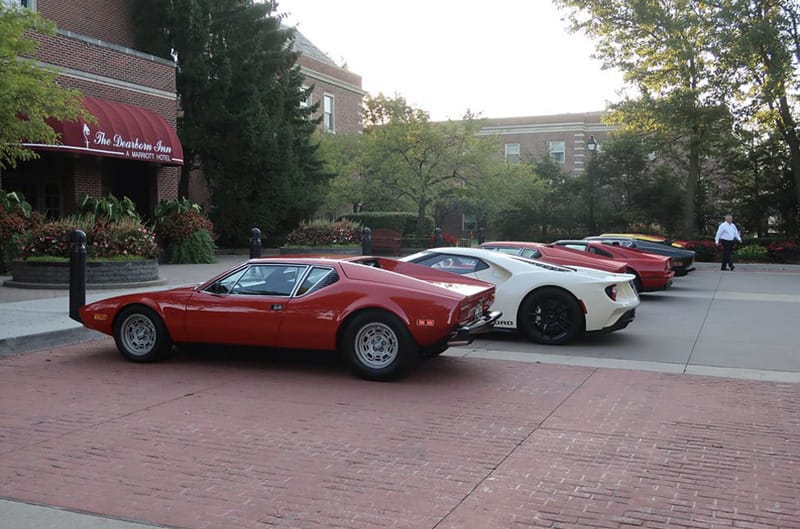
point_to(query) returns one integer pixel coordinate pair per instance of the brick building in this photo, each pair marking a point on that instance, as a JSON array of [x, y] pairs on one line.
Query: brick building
[[337, 90], [132, 149], [561, 137]]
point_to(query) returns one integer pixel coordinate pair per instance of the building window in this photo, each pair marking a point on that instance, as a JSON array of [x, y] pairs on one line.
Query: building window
[[557, 151], [328, 123], [512, 152], [469, 223]]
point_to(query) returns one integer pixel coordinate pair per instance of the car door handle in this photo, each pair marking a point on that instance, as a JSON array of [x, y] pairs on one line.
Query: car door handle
[[277, 306]]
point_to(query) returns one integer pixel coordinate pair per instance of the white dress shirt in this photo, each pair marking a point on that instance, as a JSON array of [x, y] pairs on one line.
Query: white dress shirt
[[727, 231]]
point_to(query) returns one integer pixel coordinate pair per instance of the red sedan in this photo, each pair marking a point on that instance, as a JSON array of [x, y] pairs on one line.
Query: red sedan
[[381, 318], [556, 256], [653, 272]]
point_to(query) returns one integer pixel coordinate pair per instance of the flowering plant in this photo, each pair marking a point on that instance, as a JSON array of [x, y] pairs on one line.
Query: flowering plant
[[784, 251], [126, 237], [325, 233]]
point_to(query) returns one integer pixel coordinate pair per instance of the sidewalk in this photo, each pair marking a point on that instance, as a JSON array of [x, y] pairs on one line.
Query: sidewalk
[[33, 319]]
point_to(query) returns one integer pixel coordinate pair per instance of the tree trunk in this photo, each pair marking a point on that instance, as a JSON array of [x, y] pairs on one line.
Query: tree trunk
[[422, 208], [788, 128], [689, 220]]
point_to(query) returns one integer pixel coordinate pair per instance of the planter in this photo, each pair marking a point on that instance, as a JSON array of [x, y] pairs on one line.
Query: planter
[[321, 250], [99, 274]]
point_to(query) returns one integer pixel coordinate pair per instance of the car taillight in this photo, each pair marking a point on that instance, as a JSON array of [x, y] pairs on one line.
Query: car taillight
[[611, 292], [487, 303]]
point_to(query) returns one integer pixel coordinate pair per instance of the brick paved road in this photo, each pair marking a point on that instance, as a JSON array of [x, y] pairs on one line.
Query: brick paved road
[[209, 441]]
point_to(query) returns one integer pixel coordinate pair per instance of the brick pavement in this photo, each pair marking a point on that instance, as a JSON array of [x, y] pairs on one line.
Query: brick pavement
[[256, 440]]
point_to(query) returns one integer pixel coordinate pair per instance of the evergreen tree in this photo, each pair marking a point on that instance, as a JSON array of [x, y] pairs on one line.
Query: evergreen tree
[[241, 92]]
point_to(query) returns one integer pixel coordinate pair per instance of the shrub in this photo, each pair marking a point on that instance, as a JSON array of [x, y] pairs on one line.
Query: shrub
[[403, 222], [784, 251], [184, 232], [752, 252], [109, 209], [705, 250], [447, 240], [103, 239], [196, 248], [325, 233], [16, 218]]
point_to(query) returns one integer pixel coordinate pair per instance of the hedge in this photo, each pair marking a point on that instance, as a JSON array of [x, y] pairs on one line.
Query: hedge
[[403, 222]]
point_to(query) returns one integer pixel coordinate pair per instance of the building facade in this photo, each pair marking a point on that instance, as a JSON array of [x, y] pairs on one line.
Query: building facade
[[131, 149], [563, 138], [337, 90]]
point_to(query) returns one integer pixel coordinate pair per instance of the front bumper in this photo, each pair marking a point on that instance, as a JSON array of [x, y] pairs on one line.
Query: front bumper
[[464, 334]]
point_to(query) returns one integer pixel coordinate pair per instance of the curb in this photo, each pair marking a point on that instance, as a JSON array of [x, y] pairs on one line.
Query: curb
[[89, 286], [47, 340]]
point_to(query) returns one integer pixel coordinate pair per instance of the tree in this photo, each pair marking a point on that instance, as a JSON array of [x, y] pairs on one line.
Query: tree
[[759, 49], [29, 94], [419, 161], [665, 49], [243, 121]]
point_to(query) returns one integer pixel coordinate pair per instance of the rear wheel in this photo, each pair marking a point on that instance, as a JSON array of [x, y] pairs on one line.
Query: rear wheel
[[378, 346], [551, 316], [140, 334]]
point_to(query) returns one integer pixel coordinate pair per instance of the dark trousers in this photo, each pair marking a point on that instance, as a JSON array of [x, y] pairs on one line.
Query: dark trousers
[[727, 252]]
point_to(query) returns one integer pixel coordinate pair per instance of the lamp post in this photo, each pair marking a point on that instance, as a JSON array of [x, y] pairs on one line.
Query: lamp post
[[592, 146]]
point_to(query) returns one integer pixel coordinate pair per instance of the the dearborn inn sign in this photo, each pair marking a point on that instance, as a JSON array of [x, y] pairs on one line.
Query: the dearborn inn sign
[[120, 131]]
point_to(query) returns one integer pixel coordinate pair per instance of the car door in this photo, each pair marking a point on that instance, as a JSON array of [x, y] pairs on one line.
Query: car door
[[245, 307]]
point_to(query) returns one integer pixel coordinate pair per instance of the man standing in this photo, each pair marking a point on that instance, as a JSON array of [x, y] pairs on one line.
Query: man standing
[[727, 234]]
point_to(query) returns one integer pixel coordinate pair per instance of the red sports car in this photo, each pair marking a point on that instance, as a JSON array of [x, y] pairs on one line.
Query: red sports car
[[653, 272], [381, 318], [556, 256]]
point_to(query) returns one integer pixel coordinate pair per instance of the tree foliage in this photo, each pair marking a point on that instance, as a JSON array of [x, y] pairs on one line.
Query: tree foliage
[[29, 94], [243, 122]]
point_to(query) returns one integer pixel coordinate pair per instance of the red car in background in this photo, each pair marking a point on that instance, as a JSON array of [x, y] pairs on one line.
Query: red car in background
[[653, 272], [556, 256]]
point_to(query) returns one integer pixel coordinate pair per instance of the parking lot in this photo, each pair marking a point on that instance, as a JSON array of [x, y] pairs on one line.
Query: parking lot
[[621, 430]]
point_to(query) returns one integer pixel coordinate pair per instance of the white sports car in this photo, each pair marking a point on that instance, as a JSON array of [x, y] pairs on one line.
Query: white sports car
[[548, 304]]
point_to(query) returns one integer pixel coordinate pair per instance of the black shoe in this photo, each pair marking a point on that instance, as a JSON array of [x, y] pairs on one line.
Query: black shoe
[[731, 268], [723, 269]]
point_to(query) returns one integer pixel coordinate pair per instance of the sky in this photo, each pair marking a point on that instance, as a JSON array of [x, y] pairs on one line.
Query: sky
[[497, 58]]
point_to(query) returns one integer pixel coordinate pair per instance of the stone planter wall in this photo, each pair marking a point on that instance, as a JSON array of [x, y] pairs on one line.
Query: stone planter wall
[[98, 273]]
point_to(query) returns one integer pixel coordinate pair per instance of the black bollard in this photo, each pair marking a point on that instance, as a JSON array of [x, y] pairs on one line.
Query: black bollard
[[438, 239], [480, 236], [366, 241], [255, 243], [77, 274]]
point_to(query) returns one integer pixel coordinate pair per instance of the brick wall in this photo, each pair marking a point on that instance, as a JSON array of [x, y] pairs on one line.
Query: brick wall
[[347, 99], [108, 20], [168, 178], [87, 178], [100, 60]]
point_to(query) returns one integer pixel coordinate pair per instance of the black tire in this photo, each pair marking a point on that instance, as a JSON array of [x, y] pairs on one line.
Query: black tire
[[140, 334], [378, 346], [550, 316]]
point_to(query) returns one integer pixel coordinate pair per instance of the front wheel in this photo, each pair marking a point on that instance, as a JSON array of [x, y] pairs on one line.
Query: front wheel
[[140, 334], [551, 316], [378, 346]]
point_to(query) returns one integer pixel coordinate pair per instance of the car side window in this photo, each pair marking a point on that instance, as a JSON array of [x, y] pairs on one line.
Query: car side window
[[457, 264], [579, 247], [598, 251], [316, 279], [531, 253], [224, 285]]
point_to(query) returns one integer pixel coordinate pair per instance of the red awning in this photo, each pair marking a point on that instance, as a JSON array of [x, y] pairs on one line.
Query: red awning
[[121, 131]]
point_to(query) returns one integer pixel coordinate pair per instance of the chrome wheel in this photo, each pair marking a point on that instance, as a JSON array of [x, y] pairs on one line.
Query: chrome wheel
[[376, 345], [138, 334]]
